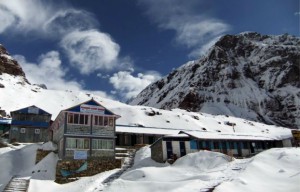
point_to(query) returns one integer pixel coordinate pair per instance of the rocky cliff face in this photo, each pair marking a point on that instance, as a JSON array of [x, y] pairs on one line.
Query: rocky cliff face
[[249, 75], [9, 65]]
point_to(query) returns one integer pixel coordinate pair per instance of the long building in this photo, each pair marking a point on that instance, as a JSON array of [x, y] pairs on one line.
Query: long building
[[233, 144]]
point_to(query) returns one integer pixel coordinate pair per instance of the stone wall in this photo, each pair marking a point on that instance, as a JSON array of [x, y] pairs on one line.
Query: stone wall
[[40, 154], [157, 152], [95, 166]]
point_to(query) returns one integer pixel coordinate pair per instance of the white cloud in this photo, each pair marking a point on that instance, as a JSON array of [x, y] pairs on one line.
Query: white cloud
[[129, 86], [194, 28], [23, 16], [68, 20], [90, 50], [87, 48], [48, 71]]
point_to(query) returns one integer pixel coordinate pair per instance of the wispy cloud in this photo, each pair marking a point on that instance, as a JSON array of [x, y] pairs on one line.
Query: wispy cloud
[[193, 26], [47, 69], [128, 86], [87, 48]]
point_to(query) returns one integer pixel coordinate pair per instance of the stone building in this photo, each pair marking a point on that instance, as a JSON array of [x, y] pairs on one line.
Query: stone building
[[29, 125], [85, 131]]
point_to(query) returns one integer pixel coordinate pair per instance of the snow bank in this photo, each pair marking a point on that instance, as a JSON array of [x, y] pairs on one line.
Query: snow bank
[[48, 146], [190, 173], [203, 160], [274, 170], [143, 159]]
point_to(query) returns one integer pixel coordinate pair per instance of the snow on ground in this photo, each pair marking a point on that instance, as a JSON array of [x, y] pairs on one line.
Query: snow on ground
[[275, 170], [17, 162], [190, 173], [272, 170]]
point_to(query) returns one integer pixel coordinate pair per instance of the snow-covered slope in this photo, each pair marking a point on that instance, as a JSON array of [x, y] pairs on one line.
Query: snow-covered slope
[[249, 75], [17, 93]]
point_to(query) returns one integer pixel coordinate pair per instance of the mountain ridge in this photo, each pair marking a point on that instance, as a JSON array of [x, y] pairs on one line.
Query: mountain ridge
[[248, 75]]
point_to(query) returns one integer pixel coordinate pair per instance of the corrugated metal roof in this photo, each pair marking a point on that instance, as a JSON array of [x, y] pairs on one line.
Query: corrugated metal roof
[[5, 121]]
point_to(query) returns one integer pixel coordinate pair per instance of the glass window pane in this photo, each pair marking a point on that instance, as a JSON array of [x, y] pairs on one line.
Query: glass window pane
[[105, 121], [86, 118], [96, 120], [76, 118], [86, 143], [109, 144], [101, 120], [111, 121], [81, 119], [70, 118]]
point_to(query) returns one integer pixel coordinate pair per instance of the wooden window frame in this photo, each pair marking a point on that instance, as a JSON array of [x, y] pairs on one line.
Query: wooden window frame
[[77, 119]]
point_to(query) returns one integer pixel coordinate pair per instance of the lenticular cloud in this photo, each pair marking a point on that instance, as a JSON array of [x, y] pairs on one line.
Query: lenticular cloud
[[90, 50]]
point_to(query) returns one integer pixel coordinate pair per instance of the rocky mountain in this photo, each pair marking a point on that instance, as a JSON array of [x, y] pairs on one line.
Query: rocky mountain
[[9, 65], [248, 75]]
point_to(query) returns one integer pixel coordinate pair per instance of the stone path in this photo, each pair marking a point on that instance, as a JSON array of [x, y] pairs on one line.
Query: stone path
[[17, 184], [126, 165]]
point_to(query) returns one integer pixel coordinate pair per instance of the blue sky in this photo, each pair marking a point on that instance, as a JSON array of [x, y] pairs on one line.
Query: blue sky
[[117, 47]]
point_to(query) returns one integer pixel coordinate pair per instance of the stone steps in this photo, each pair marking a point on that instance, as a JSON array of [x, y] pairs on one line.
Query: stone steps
[[17, 185]]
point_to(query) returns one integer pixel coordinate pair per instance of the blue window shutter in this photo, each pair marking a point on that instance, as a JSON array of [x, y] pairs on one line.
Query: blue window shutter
[[193, 144]]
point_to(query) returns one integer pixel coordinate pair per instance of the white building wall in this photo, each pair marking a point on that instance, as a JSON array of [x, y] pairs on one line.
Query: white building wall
[[188, 147], [176, 148], [164, 150], [287, 143]]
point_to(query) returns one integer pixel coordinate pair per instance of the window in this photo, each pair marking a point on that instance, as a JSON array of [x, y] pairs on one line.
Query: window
[[81, 119], [216, 145], [111, 121], [74, 118], [77, 143], [104, 121], [22, 130], [37, 131], [102, 144], [100, 120]]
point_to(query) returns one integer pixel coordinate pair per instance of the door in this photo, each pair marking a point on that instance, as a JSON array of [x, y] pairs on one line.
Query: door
[[239, 148], [224, 147], [182, 148], [151, 139], [252, 145], [133, 140], [169, 149]]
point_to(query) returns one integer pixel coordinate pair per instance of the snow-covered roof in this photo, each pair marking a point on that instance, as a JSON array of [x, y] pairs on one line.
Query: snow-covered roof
[[235, 136], [146, 130]]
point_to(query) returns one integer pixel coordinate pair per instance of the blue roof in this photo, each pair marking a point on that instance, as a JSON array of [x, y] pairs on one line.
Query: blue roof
[[30, 123], [31, 110], [91, 102]]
